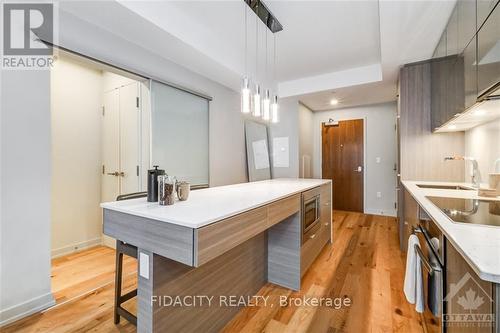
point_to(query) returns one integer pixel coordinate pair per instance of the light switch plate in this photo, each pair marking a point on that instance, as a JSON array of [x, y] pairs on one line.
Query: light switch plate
[[144, 265]]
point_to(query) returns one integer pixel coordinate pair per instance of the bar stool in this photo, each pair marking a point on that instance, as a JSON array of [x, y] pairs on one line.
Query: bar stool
[[123, 248]]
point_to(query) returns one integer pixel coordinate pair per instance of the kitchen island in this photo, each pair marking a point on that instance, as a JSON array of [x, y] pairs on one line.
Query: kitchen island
[[222, 244]]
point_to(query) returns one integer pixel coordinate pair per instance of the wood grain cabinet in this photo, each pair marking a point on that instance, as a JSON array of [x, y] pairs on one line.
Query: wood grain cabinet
[[312, 247], [452, 45], [466, 294], [440, 50], [470, 73], [484, 8], [410, 218], [488, 51], [466, 17], [447, 92]]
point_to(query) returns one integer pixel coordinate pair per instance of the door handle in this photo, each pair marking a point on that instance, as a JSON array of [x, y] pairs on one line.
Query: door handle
[[116, 174], [359, 169]]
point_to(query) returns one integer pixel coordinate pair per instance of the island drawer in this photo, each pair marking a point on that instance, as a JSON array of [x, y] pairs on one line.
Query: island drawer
[[312, 247], [213, 240], [281, 209]]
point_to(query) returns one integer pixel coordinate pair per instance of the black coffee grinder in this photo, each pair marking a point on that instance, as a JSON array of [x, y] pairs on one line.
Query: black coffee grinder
[[153, 183]]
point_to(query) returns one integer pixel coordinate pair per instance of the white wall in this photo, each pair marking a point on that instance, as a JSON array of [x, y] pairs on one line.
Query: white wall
[[306, 141], [380, 141], [76, 100], [483, 143], [25, 193]]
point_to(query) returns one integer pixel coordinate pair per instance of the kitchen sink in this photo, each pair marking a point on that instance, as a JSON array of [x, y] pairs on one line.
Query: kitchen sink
[[446, 187]]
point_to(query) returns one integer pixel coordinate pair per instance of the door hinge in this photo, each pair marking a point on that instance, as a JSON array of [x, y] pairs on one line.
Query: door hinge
[[103, 171], [103, 110], [395, 205], [137, 171], [137, 102]]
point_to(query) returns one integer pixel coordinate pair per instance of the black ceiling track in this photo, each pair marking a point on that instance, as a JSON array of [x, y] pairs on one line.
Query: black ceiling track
[[265, 15]]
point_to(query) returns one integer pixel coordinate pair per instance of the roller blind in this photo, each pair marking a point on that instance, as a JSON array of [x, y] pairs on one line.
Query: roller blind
[[179, 133]]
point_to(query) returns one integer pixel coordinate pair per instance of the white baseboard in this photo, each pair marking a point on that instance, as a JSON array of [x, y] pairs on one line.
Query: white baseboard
[[25, 309], [75, 247], [389, 212]]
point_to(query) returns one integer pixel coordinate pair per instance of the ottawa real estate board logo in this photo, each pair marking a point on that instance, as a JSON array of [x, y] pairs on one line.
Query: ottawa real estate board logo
[[469, 305], [25, 26]]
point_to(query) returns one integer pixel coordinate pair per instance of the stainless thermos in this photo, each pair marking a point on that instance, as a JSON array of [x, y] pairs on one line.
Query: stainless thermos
[[153, 183]]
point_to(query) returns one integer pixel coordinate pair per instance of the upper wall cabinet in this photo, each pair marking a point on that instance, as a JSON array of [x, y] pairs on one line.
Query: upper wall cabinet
[[440, 50], [452, 47], [466, 22], [484, 8], [470, 74], [488, 40], [466, 61], [447, 98]]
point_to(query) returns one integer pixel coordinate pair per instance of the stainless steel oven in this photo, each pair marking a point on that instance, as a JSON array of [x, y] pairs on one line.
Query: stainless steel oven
[[310, 214]]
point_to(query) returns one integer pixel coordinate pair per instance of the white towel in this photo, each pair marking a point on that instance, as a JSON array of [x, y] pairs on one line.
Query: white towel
[[413, 284]]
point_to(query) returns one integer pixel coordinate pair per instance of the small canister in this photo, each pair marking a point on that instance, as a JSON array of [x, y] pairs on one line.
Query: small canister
[[166, 190], [183, 189], [153, 183]]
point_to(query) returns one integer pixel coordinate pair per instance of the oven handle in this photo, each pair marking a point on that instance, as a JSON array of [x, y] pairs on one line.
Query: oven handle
[[430, 268], [434, 251]]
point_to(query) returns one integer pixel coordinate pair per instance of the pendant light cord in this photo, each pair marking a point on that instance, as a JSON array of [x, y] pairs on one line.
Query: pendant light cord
[[246, 39], [257, 46]]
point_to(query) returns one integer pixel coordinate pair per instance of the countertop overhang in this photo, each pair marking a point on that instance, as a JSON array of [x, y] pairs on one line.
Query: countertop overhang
[[213, 204], [478, 244]]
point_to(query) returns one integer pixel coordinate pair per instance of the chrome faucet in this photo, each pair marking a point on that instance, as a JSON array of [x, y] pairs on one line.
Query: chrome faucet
[[476, 177]]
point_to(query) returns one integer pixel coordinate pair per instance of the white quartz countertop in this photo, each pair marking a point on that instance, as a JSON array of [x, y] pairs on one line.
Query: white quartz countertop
[[478, 244], [209, 205]]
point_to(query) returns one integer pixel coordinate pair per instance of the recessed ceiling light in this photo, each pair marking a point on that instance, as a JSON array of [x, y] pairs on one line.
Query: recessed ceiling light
[[479, 113], [452, 127], [334, 101]]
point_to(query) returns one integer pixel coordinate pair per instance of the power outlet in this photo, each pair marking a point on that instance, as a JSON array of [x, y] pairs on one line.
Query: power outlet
[[379, 194]]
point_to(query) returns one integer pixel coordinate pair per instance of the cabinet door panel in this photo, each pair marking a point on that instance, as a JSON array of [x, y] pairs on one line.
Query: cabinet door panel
[[440, 50], [461, 275], [488, 40], [484, 8], [466, 12], [452, 47], [470, 73]]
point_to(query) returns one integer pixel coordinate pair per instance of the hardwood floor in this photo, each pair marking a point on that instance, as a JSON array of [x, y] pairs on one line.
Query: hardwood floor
[[364, 264]]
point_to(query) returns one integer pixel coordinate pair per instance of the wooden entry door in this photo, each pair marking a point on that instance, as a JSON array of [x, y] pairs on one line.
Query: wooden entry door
[[342, 161]]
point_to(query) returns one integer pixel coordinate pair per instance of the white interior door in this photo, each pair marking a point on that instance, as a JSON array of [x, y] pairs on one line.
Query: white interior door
[[110, 185], [110, 146], [121, 145], [129, 138]]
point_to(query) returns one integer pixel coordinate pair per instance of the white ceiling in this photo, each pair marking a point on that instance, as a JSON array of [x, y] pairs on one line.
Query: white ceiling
[[352, 47]]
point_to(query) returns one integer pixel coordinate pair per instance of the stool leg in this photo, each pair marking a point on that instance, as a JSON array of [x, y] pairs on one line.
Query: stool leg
[[118, 281]]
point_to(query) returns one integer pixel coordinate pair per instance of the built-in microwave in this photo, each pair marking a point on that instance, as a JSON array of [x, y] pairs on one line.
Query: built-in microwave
[[310, 214]]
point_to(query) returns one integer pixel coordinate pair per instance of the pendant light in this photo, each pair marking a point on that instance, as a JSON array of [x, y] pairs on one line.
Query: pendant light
[[245, 88], [274, 105], [256, 96], [266, 102]]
